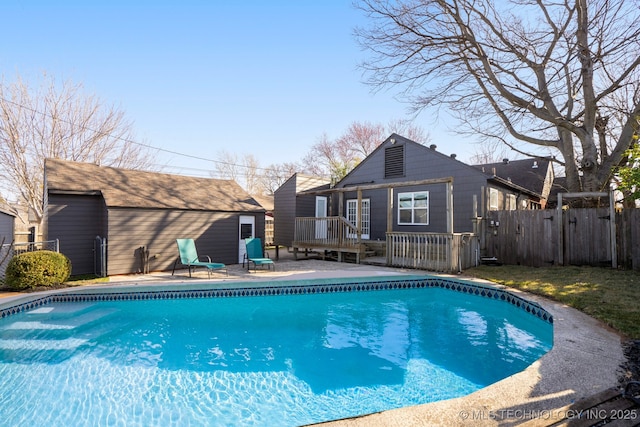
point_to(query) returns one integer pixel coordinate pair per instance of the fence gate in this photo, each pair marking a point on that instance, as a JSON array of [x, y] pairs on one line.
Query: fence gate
[[539, 238], [100, 256], [587, 236]]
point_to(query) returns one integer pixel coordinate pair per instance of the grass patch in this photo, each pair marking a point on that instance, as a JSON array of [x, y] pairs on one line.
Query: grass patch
[[86, 279], [611, 296]]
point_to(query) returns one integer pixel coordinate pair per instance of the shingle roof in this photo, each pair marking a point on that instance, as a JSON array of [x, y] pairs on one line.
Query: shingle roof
[[527, 173], [141, 189]]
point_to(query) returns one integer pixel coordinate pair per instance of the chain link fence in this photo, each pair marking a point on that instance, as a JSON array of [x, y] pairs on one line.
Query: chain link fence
[[10, 250]]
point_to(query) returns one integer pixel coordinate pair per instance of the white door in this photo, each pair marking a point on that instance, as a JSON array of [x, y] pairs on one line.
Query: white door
[[246, 231], [321, 212], [354, 218]]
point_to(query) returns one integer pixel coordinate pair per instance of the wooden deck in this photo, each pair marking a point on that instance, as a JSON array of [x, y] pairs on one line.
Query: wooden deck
[[337, 238], [608, 407]]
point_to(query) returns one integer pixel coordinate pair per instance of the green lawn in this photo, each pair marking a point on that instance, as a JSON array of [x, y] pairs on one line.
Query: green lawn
[[611, 296]]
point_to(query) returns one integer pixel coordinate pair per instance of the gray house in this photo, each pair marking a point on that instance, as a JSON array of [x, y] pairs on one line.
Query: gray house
[[403, 190], [127, 220]]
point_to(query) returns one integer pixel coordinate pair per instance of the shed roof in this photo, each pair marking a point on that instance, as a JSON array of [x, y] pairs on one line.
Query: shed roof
[[142, 189]]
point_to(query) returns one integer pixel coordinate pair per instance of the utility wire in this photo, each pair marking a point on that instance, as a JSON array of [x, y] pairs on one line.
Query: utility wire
[[130, 141]]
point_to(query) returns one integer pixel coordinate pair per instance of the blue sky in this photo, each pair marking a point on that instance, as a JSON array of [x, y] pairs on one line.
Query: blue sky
[[197, 77]]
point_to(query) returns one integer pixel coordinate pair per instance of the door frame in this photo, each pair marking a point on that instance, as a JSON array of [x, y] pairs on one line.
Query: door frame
[[245, 220]]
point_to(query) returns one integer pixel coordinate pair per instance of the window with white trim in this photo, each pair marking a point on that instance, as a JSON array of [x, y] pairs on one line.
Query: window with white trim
[[493, 199], [413, 208]]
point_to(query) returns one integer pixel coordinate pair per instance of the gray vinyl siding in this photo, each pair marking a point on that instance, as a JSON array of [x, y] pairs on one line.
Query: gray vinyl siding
[[76, 221], [284, 212], [7, 228], [289, 204], [215, 233], [421, 163]]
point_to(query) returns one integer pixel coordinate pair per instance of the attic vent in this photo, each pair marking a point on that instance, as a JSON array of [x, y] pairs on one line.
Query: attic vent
[[394, 161]]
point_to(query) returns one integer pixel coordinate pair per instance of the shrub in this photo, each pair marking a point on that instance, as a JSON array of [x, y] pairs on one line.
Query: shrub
[[39, 268]]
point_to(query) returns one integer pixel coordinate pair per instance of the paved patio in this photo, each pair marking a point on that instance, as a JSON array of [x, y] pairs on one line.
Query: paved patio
[[585, 358]]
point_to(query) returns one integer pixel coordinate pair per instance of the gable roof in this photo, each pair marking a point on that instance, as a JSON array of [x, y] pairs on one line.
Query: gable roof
[[393, 138], [142, 189], [525, 173], [518, 175]]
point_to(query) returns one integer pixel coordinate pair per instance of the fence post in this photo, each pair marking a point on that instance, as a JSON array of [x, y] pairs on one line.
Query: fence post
[[559, 228], [612, 228]]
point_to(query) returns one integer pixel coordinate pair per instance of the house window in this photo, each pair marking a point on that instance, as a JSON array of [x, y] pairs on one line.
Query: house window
[[413, 208], [493, 199], [511, 202], [394, 161]]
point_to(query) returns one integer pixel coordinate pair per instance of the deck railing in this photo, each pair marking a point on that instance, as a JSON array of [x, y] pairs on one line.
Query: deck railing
[[333, 232], [444, 252]]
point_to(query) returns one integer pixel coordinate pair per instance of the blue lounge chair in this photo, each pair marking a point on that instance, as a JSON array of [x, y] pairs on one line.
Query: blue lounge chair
[[255, 255], [189, 257]]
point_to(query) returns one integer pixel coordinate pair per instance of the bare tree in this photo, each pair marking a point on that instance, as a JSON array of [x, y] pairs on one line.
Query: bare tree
[[58, 122], [534, 74], [336, 158], [490, 151], [326, 158], [245, 170], [276, 174]]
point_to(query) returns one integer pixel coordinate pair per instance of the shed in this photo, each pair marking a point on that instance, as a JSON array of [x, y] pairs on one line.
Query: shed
[[7, 225], [7, 236], [140, 214]]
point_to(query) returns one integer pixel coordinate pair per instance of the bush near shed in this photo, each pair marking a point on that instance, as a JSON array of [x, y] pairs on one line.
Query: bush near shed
[[39, 268]]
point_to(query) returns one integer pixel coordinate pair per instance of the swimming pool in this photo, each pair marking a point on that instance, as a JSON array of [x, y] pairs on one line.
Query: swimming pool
[[281, 354]]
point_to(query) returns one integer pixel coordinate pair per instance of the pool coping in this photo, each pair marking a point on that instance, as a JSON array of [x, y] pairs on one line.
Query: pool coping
[[584, 360]]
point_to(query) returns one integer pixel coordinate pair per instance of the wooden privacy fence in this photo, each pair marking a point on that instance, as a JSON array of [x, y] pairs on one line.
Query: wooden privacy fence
[[446, 252], [574, 236]]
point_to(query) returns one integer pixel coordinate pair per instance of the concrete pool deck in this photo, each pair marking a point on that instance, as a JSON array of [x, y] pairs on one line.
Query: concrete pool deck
[[585, 358]]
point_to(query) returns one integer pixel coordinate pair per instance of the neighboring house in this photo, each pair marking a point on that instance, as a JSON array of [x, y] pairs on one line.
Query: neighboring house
[[405, 187], [533, 177], [140, 214]]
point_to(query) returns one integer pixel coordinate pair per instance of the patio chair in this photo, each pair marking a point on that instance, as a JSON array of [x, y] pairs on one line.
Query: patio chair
[[189, 257], [255, 255]]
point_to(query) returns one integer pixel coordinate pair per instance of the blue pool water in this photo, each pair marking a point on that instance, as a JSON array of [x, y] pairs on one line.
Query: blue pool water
[[256, 360]]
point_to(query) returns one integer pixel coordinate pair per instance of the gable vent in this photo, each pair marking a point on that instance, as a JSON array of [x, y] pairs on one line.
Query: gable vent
[[394, 161]]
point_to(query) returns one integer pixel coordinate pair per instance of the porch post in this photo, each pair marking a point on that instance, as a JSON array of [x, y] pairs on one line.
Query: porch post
[[389, 223], [389, 209], [449, 206], [359, 224]]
